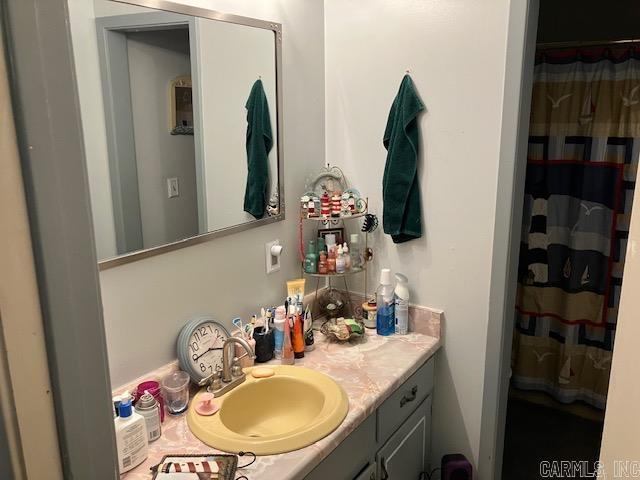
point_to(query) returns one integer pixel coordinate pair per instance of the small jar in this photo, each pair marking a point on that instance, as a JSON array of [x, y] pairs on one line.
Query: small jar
[[322, 263], [369, 310]]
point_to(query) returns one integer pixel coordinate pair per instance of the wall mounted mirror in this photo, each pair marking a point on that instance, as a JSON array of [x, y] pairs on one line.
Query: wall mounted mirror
[[182, 120]]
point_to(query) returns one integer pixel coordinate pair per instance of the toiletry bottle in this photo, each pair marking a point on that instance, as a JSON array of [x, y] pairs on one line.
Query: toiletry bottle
[[355, 252], [347, 257], [308, 331], [331, 261], [321, 245], [385, 318], [287, 349], [322, 263], [131, 437], [311, 258], [149, 408], [278, 323], [340, 263], [298, 333], [401, 307]]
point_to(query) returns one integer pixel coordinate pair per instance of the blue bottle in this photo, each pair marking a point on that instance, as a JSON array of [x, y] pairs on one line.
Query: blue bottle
[[385, 315]]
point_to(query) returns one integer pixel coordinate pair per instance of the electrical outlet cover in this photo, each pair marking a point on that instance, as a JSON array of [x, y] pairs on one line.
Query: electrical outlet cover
[[272, 261]]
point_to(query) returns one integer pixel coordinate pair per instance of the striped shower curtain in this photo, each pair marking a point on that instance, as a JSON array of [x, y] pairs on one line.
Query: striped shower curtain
[[584, 142]]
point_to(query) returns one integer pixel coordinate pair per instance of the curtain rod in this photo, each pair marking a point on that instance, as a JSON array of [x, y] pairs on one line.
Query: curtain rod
[[550, 45]]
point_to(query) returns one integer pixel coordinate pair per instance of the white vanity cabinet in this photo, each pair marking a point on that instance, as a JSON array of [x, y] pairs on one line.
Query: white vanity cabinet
[[393, 443]]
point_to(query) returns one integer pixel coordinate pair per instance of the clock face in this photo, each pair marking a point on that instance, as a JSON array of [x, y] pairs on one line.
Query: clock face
[[205, 348]]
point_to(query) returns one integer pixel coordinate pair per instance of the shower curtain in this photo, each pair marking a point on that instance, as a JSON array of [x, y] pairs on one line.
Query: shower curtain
[[584, 141]]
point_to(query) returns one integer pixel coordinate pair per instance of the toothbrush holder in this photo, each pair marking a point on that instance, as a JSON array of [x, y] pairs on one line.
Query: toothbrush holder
[[239, 351], [265, 344]]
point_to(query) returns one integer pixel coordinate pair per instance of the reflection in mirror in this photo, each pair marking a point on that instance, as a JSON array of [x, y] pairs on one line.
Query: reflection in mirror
[[180, 119]]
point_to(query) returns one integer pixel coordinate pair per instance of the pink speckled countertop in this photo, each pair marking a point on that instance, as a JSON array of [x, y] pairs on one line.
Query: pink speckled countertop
[[369, 372]]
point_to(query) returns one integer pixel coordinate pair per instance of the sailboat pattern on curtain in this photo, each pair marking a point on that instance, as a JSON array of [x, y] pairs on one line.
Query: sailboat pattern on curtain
[[582, 161]]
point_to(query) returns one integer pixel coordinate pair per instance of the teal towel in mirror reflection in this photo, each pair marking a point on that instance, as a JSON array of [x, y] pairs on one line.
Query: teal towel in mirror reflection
[[401, 214], [259, 144]]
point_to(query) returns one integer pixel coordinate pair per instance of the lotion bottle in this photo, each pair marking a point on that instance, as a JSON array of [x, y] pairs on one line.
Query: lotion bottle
[[340, 263], [347, 256], [131, 437], [287, 348]]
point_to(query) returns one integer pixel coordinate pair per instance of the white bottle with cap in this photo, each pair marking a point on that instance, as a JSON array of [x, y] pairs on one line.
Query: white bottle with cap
[[340, 262], [347, 256], [401, 309], [131, 436]]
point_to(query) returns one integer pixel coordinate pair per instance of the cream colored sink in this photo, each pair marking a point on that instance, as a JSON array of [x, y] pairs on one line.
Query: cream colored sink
[[290, 410]]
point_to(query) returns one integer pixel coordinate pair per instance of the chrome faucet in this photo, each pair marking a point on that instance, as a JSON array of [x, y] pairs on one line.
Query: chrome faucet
[[231, 375]]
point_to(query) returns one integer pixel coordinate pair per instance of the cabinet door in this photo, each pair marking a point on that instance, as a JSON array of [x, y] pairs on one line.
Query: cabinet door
[[368, 473], [405, 455], [351, 456]]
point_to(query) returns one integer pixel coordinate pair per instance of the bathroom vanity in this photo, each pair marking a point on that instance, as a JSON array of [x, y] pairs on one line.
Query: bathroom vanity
[[386, 433], [393, 442]]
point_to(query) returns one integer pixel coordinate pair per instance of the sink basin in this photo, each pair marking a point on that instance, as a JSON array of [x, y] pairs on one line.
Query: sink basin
[[290, 410]]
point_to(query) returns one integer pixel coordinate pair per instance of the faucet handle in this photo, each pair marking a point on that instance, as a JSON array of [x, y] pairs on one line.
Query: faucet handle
[[236, 369], [212, 381]]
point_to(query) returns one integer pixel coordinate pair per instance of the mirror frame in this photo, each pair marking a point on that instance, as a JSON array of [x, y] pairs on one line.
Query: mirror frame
[[276, 28]]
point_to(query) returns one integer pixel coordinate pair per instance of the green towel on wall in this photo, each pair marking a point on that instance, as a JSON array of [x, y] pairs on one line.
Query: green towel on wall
[[259, 143], [401, 214]]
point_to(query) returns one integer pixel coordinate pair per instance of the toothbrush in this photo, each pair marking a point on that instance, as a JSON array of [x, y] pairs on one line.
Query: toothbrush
[[237, 322]]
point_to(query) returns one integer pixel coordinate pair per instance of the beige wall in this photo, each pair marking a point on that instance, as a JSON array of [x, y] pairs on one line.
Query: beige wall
[[621, 437], [21, 321]]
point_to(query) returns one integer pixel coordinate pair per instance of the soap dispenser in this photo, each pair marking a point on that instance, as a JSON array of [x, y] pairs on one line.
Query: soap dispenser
[[311, 258], [131, 436]]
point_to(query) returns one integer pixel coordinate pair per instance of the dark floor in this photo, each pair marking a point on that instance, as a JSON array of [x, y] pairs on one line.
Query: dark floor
[[535, 433]]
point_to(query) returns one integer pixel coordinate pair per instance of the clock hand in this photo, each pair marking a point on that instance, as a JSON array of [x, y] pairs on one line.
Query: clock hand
[[210, 349]]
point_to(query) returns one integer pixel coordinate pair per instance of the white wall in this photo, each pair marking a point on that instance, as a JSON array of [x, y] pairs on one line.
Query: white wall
[[87, 63], [456, 53], [622, 418], [148, 301], [155, 59], [243, 55]]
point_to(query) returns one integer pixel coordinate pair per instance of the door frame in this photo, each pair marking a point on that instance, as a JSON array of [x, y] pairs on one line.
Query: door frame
[[518, 85], [47, 114]]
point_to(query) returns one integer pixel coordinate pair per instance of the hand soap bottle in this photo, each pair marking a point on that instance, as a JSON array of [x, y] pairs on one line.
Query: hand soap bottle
[[131, 437]]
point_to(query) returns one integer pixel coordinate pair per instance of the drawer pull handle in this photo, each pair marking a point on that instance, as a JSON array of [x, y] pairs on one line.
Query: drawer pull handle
[[410, 397]]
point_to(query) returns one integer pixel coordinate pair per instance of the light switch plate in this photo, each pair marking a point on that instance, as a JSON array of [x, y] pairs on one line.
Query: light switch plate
[[272, 261], [173, 187]]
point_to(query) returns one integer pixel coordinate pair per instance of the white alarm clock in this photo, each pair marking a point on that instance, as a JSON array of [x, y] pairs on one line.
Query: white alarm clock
[[200, 347]]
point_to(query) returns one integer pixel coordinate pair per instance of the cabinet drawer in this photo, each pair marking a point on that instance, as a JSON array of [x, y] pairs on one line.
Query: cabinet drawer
[[404, 401], [351, 456]]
